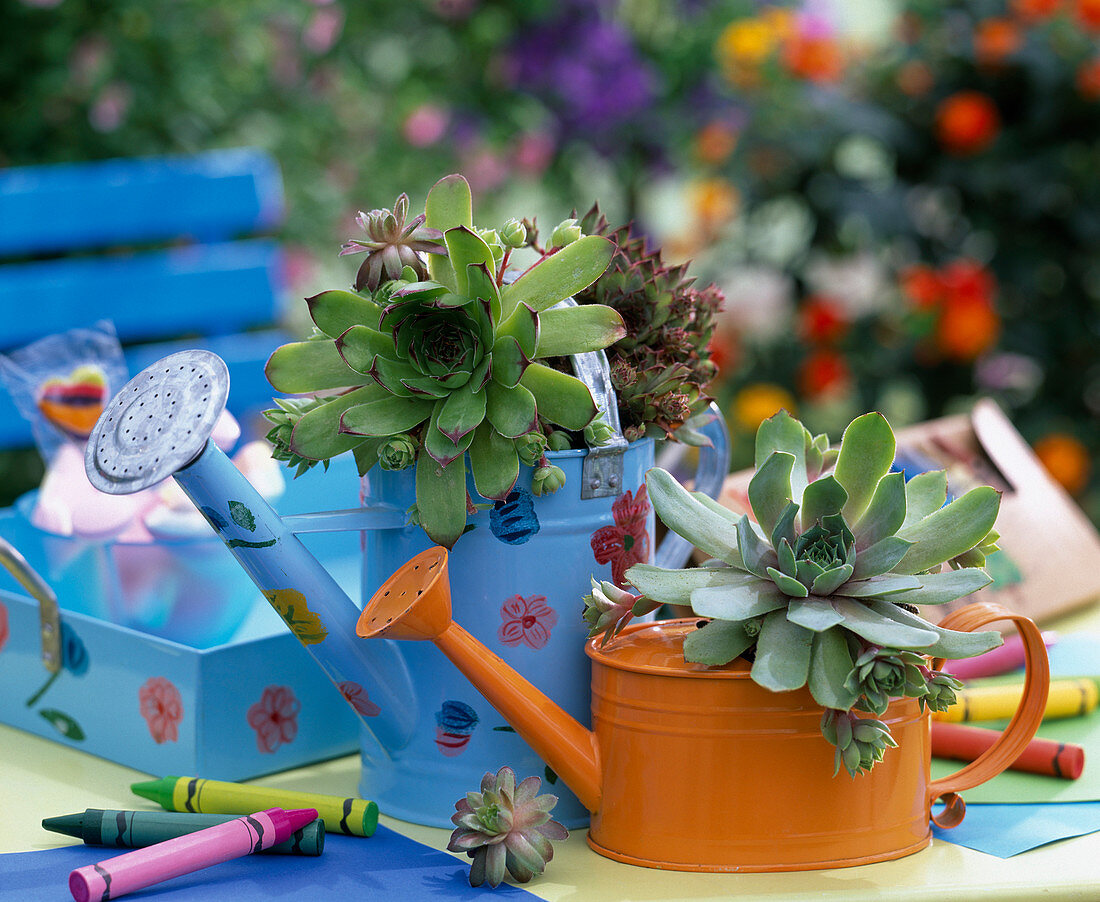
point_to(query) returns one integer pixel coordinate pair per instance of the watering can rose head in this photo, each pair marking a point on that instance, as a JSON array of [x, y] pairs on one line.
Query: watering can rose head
[[817, 587], [444, 356]]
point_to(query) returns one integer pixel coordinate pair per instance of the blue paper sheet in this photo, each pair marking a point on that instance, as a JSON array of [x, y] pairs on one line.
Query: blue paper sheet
[[1007, 830], [387, 866]]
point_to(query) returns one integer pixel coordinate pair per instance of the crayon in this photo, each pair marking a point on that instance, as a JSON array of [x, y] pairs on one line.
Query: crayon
[[1002, 659], [137, 829], [1067, 698], [355, 817], [185, 854], [1041, 756]]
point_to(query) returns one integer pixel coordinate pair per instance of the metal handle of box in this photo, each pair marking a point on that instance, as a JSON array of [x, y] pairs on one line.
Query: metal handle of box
[[48, 616]]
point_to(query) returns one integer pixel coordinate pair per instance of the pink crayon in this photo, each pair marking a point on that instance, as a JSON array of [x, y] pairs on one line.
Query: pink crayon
[[1002, 659], [174, 857]]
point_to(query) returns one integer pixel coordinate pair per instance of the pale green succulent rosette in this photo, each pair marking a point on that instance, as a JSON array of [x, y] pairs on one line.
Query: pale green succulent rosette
[[821, 586], [452, 359]]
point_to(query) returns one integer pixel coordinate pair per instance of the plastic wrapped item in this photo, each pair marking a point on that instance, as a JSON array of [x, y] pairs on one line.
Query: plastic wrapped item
[[60, 383], [149, 560]]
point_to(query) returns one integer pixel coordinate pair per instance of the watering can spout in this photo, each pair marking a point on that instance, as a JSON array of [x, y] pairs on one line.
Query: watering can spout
[[415, 603], [158, 426]]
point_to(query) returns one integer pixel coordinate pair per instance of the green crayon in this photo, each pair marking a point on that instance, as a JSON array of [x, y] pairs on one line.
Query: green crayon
[[355, 817], [138, 829]]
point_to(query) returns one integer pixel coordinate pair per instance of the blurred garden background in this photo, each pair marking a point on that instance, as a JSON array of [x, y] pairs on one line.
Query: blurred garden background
[[900, 199]]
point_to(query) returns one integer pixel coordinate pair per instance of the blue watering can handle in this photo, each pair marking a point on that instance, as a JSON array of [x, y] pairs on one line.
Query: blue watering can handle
[[714, 459]]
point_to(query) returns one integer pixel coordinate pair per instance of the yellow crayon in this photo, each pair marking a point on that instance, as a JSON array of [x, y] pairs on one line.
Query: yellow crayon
[[1067, 698], [356, 817]]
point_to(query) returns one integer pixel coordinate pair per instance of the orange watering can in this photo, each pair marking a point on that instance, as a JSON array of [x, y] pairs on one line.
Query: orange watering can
[[698, 768]]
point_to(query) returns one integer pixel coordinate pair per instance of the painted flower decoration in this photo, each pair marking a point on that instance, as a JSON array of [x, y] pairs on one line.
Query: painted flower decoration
[[357, 697], [162, 708], [455, 723], [626, 542], [291, 605], [275, 718], [527, 621]]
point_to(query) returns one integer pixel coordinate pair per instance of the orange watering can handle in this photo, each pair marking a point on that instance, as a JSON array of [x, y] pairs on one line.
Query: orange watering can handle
[[1022, 728]]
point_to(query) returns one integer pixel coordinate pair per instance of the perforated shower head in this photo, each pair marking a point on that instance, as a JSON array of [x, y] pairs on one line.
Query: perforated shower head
[[158, 423]]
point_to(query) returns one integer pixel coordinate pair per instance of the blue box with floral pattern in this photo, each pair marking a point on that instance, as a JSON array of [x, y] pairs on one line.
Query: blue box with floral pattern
[[253, 704]]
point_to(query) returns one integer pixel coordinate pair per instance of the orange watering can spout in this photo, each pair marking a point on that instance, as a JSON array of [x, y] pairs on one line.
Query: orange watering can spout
[[415, 603]]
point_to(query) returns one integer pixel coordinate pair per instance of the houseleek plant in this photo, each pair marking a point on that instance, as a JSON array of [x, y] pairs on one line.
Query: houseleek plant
[[435, 361], [818, 587]]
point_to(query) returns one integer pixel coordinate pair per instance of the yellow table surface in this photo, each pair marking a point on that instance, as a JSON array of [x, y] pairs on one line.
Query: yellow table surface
[[39, 778]]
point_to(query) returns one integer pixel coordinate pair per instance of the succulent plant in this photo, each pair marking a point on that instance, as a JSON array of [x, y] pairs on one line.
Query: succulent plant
[[607, 609], [392, 245], [661, 368], [505, 827], [451, 361], [818, 586]]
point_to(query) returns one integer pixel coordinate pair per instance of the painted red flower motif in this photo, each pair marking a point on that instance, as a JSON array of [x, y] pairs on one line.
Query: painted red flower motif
[[357, 697], [274, 718], [627, 542], [4, 630], [526, 620], [162, 708]]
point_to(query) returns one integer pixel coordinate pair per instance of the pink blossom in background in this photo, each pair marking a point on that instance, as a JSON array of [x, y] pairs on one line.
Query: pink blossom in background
[[323, 29], [111, 106], [299, 267], [162, 708], [534, 153], [87, 60], [5, 632], [286, 61], [627, 542], [42, 4], [357, 697], [526, 620], [485, 169], [425, 125], [274, 718]]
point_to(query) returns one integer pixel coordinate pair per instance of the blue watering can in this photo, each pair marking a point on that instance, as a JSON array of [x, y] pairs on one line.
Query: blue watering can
[[427, 736]]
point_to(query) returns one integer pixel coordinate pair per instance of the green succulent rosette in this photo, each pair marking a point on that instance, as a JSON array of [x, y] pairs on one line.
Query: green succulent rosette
[[818, 587], [449, 362]]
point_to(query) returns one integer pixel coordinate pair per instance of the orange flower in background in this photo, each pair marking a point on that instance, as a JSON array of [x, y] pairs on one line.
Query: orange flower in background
[[1087, 12], [816, 58], [1066, 459], [967, 122], [824, 372], [714, 202], [821, 320], [996, 39], [742, 48], [1088, 79], [715, 142], [967, 327], [915, 78], [1035, 10], [755, 403], [724, 349], [921, 285]]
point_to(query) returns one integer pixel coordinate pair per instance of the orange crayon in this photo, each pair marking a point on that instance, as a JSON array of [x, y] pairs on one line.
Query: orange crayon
[[962, 742]]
